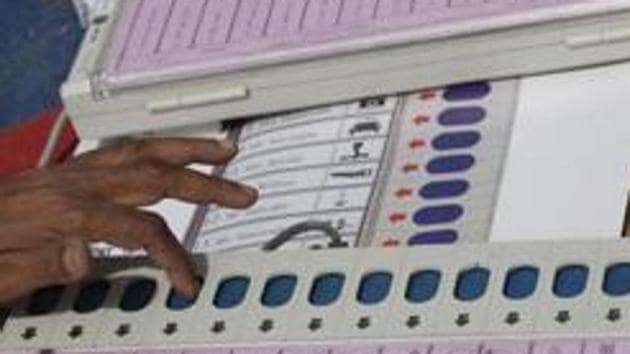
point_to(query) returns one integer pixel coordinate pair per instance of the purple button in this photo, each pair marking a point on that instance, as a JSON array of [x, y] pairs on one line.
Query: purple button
[[440, 237], [458, 140], [444, 189], [467, 91], [462, 116], [450, 164], [438, 215]]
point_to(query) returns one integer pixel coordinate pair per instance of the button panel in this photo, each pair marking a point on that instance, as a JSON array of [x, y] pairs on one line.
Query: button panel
[[445, 166]]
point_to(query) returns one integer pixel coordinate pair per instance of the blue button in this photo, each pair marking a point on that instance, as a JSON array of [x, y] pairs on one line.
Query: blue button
[[374, 288], [138, 294], [92, 296], [520, 283], [444, 189], [467, 91], [472, 284], [617, 280], [326, 289], [278, 290], [458, 140], [450, 164], [423, 286], [439, 237], [44, 301], [177, 302], [570, 281], [438, 215], [462, 116], [231, 292]]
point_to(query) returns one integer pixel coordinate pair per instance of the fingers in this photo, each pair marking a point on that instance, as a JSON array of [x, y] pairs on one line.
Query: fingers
[[195, 187], [96, 199], [168, 150], [22, 236], [121, 226], [144, 172], [151, 181], [132, 229], [22, 272]]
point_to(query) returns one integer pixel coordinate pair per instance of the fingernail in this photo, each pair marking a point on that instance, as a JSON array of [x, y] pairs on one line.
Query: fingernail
[[228, 146], [253, 192], [192, 290], [75, 263], [196, 289]]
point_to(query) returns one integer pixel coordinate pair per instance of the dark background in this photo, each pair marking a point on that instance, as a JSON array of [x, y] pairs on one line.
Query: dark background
[[38, 41]]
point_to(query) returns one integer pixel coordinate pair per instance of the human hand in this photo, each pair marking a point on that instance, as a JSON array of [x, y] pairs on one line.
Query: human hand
[[49, 216]]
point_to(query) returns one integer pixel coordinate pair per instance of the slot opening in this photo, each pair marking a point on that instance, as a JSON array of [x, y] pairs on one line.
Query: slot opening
[[625, 229]]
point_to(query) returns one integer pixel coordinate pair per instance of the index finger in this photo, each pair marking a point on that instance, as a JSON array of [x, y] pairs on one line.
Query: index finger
[[128, 228], [176, 151]]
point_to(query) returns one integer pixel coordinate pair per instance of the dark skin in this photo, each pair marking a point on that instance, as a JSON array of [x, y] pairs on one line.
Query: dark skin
[[48, 217]]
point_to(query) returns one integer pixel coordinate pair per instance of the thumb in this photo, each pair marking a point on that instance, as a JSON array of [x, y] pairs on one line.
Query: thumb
[[24, 271]]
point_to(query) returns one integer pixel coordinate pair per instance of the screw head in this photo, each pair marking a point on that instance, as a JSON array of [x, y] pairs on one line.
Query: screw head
[[218, 327], [614, 315], [512, 318], [364, 322], [563, 317], [315, 324], [75, 332], [29, 333], [413, 321], [462, 320], [100, 19], [266, 325], [170, 328], [123, 330]]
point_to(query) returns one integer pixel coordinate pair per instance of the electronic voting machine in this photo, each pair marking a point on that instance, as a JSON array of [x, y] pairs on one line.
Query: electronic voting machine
[[390, 140], [167, 64]]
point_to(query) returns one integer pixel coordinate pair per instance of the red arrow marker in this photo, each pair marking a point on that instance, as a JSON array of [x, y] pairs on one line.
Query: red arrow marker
[[411, 167], [417, 143], [404, 193], [397, 218], [420, 119], [428, 94], [391, 243]]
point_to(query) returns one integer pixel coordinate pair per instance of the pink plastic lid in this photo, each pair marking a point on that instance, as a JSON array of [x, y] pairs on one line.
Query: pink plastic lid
[[161, 38]]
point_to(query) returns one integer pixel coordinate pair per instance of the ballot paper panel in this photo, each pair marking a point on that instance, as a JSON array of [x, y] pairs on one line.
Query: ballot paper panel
[[393, 171]]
